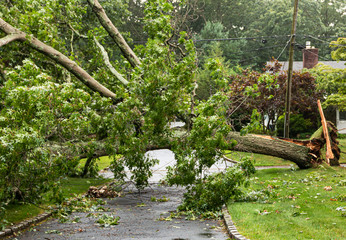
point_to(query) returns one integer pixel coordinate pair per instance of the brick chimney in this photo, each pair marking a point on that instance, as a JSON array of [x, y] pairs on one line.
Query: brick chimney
[[310, 56]]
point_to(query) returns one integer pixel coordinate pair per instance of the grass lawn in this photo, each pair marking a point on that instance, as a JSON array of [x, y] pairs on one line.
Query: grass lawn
[[70, 186], [102, 163], [299, 206], [260, 160]]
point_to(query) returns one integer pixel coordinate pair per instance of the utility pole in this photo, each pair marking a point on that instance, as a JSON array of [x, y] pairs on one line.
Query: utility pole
[[289, 73]]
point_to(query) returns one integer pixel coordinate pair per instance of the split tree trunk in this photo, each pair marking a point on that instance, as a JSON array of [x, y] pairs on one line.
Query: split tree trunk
[[303, 156]]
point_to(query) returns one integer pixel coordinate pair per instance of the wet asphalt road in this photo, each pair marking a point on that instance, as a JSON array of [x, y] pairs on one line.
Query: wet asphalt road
[[138, 220], [138, 214]]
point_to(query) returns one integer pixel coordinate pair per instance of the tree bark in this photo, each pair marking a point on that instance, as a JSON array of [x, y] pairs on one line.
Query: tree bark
[[10, 38], [108, 63], [303, 156], [57, 56], [114, 33]]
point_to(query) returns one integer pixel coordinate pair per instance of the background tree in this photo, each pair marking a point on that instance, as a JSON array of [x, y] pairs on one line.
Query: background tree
[[265, 25], [265, 92], [333, 80]]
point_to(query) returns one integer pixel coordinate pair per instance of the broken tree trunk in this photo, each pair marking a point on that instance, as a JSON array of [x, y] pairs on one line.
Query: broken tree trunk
[[305, 153], [331, 144], [302, 155], [332, 133]]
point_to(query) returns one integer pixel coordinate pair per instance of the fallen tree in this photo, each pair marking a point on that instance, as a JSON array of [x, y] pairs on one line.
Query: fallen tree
[[304, 153], [45, 121]]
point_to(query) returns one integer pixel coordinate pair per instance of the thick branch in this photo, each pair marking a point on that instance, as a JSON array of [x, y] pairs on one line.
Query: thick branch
[[108, 64], [10, 38], [60, 58], [114, 33], [80, 149]]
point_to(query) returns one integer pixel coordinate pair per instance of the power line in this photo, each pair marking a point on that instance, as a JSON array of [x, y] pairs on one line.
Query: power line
[[269, 47], [307, 49], [254, 38], [240, 38]]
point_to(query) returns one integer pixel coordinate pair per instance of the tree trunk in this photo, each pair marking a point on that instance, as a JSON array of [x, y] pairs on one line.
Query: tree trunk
[[305, 154], [87, 166], [302, 155]]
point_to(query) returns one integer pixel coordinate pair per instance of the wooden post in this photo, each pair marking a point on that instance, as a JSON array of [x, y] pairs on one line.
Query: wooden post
[[289, 73], [329, 153]]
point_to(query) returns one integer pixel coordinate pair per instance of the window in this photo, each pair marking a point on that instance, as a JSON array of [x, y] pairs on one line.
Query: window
[[342, 116]]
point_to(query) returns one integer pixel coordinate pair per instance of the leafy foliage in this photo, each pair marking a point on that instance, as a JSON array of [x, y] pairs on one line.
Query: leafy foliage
[[298, 125], [333, 80], [43, 107], [108, 220], [212, 192], [266, 92]]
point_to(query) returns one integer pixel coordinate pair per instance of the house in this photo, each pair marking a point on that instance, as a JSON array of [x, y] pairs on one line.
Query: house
[[310, 59]]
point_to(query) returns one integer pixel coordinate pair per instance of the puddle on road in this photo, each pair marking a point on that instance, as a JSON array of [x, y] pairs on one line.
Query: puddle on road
[[206, 235]]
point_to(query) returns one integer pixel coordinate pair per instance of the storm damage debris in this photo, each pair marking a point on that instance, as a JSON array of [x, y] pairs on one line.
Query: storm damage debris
[[102, 192]]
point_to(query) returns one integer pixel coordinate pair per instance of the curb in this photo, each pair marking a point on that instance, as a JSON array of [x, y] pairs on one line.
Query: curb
[[231, 229], [23, 225]]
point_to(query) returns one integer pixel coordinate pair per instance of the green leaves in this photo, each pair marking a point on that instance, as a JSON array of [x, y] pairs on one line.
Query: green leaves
[[333, 82], [108, 220], [212, 192], [340, 49]]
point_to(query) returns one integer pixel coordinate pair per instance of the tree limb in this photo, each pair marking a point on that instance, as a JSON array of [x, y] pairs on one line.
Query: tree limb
[[114, 33], [108, 64], [10, 38], [104, 55], [60, 58]]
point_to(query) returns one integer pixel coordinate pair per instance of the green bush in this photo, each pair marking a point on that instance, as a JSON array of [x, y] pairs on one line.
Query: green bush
[[341, 136], [299, 126], [212, 192]]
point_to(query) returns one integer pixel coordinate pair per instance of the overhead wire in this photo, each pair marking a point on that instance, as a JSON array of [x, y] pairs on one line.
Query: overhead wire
[[252, 38], [307, 49], [284, 47]]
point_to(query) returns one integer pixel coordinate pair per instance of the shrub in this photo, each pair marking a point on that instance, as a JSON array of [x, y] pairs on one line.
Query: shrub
[[299, 126], [212, 192]]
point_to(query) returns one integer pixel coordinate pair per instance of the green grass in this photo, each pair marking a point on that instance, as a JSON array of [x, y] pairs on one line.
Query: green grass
[[298, 207], [102, 162], [260, 160], [18, 212], [70, 186]]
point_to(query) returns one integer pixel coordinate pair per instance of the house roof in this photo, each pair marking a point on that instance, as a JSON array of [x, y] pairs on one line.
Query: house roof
[[298, 65]]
